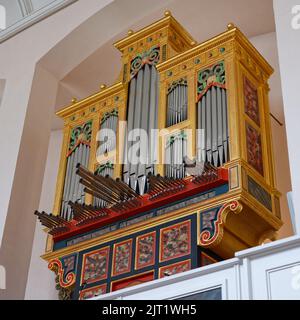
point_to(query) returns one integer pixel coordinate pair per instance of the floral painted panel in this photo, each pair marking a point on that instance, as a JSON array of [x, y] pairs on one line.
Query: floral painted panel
[[150, 57], [69, 264], [95, 266], [254, 149], [122, 257], [251, 101], [175, 241], [81, 133], [145, 250], [92, 292], [208, 218], [175, 268], [132, 281]]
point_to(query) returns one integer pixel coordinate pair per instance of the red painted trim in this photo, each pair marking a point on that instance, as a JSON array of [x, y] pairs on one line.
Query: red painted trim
[[70, 277], [132, 281], [93, 290], [77, 144], [170, 266], [147, 205], [212, 84], [205, 236]]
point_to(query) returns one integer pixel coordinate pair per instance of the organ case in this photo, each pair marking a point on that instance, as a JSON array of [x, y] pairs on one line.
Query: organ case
[[208, 180]]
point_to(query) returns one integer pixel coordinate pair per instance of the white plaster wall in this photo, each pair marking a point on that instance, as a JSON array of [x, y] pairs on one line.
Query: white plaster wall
[[289, 53], [32, 63], [2, 87], [13, 12], [20, 51], [41, 281]]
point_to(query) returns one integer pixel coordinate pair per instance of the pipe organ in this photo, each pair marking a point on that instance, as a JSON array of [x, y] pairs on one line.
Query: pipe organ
[[212, 115], [141, 115], [177, 102], [187, 181], [78, 152]]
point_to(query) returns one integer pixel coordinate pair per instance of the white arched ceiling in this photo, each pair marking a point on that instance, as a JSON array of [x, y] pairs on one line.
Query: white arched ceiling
[[16, 10], [26, 7], [22, 14]]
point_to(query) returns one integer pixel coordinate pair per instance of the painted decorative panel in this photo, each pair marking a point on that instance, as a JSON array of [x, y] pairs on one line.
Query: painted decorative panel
[[150, 57], [254, 149], [145, 250], [207, 219], [251, 101], [259, 193], [212, 222], [175, 241], [95, 266], [175, 268], [132, 281], [92, 292], [80, 134], [122, 257], [69, 264], [211, 76]]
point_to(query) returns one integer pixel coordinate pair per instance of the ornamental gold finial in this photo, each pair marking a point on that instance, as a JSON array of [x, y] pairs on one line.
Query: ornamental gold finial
[[167, 13], [230, 26], [130, 32], [103, 86], [74, 100], [193, 43]]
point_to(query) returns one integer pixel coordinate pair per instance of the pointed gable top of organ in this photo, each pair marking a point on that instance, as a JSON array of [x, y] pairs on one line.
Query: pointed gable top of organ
[[166, 32], [232, 40]]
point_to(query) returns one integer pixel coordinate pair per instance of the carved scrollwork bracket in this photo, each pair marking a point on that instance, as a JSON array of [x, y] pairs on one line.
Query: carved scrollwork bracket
[[65, 277], [211, 236]]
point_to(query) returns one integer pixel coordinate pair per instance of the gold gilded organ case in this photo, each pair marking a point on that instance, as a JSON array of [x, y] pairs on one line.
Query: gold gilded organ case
[[212, 98]]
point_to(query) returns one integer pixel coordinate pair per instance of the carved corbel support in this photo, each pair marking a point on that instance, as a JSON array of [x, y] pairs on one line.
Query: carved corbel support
[[209, 238], [65, 278]]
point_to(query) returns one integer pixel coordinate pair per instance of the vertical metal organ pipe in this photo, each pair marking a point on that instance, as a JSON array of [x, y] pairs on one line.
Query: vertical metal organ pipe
[[213, 144]]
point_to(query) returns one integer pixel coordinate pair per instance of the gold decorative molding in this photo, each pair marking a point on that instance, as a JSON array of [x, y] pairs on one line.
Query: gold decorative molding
[[55, 265], [210, 241], [84, 104], [191, 209], [168, 22], [235, 39]]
